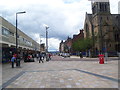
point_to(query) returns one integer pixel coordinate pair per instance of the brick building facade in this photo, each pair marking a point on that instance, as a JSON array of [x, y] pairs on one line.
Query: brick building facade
[[66, 47]]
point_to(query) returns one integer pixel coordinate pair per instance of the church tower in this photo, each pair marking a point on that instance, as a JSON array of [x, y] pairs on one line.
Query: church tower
[[102, 25], [100, 7]]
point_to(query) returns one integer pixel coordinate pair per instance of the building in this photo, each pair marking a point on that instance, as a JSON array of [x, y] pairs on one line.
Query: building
[[61, 47], [42, 47], [104, 28], [78, 36], [8, 40], [66, 47]]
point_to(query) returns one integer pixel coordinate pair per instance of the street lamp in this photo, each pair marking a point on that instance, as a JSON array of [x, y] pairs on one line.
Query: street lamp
[[16, 30], [46, 27], [47, 39], [40, 41]]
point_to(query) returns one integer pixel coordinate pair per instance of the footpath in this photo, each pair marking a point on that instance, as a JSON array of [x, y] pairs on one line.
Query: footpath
[[61, 74]]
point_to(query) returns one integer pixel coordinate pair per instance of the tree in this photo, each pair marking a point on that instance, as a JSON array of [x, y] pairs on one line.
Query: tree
[[82, 44]]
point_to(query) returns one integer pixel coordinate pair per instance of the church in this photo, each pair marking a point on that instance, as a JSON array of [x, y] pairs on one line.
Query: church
[[103, 28]]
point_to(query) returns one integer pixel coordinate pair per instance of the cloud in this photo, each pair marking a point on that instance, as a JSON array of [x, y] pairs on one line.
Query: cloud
[[64, 17], [54, 45], [114, 6]]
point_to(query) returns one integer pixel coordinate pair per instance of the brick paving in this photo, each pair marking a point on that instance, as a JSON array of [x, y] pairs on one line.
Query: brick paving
[[62, 73]]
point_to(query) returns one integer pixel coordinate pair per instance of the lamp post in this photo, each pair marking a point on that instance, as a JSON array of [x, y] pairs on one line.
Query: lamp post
[[17, 31], [40, 41], [46, 42]]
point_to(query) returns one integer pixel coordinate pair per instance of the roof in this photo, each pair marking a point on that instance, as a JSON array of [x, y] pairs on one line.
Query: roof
[[89, 17]]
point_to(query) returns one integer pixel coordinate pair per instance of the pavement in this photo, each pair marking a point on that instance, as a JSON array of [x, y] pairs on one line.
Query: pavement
[[61, 72]]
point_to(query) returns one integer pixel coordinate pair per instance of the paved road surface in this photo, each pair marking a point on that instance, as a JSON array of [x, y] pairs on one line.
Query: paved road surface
[[62, 73]]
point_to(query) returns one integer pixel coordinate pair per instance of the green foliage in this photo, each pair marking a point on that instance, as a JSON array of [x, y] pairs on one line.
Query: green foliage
[[82, 44]]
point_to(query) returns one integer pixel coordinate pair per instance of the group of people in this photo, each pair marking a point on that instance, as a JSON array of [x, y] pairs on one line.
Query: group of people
[[41, 57], [15, 59]]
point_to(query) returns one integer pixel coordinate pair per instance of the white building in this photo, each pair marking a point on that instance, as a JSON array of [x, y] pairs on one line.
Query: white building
[[8, 40]]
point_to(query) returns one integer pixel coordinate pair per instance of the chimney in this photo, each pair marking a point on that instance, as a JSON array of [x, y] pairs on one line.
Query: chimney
[[81, 31]]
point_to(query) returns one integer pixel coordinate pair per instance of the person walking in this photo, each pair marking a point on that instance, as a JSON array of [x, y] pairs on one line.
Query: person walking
[[40, 59], [13, 60], [43, 56], [49, 56], [18, 60], [81, 55], [37, 55], [26, 56]]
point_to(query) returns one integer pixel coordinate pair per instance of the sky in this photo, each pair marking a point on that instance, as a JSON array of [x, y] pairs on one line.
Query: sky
[[64, 17]]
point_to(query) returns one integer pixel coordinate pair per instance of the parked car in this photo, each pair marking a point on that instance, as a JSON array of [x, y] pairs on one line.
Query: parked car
[[29, 59], [66, 55]]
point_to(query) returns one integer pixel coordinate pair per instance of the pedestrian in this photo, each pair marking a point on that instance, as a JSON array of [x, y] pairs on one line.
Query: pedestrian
[[49, 56], [40, 59], [37, 56], [43, 56], [81, 55], [13, 60], [32, 55], [18, 60], [26, 57]]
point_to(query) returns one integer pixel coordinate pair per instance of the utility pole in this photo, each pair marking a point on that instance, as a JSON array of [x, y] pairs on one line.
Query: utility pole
[[40, 41], [17, 62], [46, 43]]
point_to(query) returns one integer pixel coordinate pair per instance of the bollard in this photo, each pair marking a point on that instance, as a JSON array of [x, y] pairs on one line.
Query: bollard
[[101, 59], [119, 56], [106, 56]]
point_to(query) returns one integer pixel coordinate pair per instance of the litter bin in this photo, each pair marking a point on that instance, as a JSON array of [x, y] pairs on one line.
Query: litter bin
[[101, 59]]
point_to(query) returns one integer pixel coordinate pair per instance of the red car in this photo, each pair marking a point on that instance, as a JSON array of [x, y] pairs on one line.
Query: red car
[[29, 59]]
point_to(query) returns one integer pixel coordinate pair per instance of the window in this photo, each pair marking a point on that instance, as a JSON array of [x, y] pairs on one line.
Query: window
[[18, 36], [117, 47], [6, 32], [100, 7], [105, 7], [110, 45], [116, 17], [117, 39], [11, 33], [107, 18], [101, 19]]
